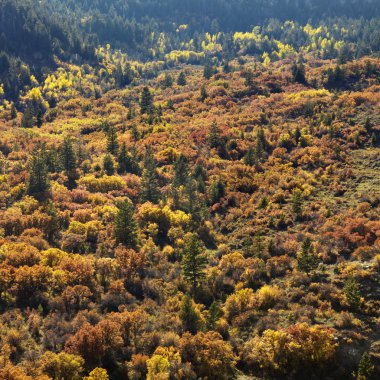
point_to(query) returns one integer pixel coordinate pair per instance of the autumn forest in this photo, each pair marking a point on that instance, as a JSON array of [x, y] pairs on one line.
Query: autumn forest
[[189, 189]]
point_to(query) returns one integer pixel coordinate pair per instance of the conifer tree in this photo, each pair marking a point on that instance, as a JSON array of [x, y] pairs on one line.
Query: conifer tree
[[297, 204], [108, 164], [352, 292], [149, 181], [214, 138], [250, 157], [194, 262], [217, 191], [38, 184], [27, 120], [112, 143], [146, 101], [214, 314], [181, 81], [13, 111], [69, 162], [366, 369], [181, 171], [189, 317], [307, 259], [125, 225], [204, 94]]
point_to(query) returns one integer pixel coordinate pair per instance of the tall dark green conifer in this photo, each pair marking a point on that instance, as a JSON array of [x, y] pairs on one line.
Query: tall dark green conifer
[[125, 226], [112, 143], [146, 101], [181, 171], [69, 162], [38, 184], [194, 262], [149, 181]]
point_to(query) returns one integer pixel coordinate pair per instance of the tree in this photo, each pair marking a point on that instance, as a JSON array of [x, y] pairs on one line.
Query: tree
[[208, 70], [62, 366], [69, 162], [307, 259], [125, 226], [146, 101], [168, 81], [112, 143], [217, 191], [214, 313], [250, 157], [149, 181], [298, 73], [97, 374], [27, 120], [194, 262], [189, 316], [108, 164], [181, 171], [214, 136], [13, 112], [352, 293], [297, 204], [181, 81], [204, 94], [261, 143], [366, 369], [38, 184]]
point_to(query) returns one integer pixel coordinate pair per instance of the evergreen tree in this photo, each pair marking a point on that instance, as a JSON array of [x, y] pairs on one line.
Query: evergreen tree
[[214, 314], [261, 143], [181, 81], [13, 112], [38, 184], [204, 94], [193, 262], [149, 181], [189, 317], [214, 138], [208, 70], [125, 225], [250, 157], [366, 369], [112, 143], [181, 171], [307, 259], [352, 292], [146, 101], [297, 204], [168, 81], [298, 73], [368, 126], [217, 191], [69, 162], [27, 120], [108, 164]]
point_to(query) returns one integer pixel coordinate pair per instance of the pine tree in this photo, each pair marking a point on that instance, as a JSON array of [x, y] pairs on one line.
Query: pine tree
[[69, 162], [125, 226], [204, 94], [366, 369], [250, 157], [214, 138], [27, 120], [208, 70], [298, 73], [112, 143], [194, 262], [108, 164], [307, 259], [168, 81], [146, 101], [189, 317], [214, 314], [123, 160], [368, 126], [181, 171], [13, 112], [149, 191], [261, 143], [297, 204], [38, 184], [352, 292], [181, 81], [217, 191]]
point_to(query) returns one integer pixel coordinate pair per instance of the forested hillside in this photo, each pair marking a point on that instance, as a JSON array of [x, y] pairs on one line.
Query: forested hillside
[[189, 190]]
